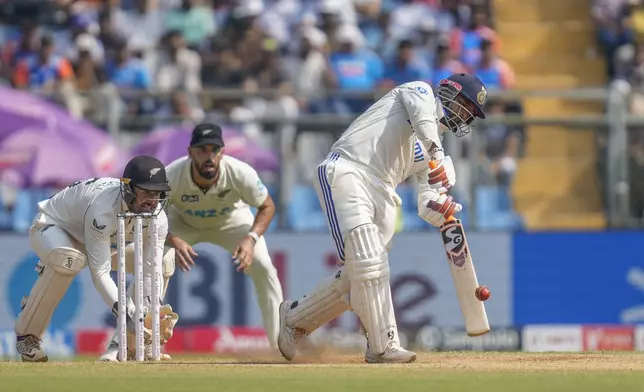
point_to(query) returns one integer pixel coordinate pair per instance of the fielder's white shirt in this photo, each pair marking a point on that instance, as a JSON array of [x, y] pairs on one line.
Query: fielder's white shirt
[[87, 210], [238, 187], [397, 135]]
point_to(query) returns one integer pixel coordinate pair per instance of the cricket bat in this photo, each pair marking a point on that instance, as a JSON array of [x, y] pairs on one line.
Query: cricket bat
[[464, 275]]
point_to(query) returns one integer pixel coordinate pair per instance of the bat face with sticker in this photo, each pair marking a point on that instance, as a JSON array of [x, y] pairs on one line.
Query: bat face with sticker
[[464, 275]]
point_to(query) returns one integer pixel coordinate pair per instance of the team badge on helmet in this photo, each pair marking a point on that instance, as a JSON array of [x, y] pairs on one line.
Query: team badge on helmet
[[481, 97]]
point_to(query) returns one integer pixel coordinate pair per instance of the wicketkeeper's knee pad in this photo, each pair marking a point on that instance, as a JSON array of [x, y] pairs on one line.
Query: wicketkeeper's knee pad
[[327, 301], [56, 273], [367, 267]]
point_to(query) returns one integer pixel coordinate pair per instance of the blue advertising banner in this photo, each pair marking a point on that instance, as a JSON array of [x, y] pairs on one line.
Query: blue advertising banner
[[578, 278]]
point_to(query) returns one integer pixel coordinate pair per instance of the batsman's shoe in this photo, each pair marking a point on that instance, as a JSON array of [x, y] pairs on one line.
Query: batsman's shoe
[[288, 338], [392, 354], [30, 350]]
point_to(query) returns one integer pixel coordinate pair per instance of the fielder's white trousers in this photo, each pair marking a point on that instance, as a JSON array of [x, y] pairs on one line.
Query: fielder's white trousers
[[228, 234]]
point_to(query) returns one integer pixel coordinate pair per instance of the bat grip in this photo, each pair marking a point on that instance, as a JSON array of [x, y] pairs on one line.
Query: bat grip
[[434, 165]]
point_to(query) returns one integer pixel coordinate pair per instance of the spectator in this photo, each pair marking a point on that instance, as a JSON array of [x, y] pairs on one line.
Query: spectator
[[427, 38], [42, 71], [501, 150], [408, 15], [222, 67], [378, 35], [613, 30], [445, 64], [454, 14], [128, 74], [493, 71], [82, 31], [179, 68], [466, 43], [195, 21], [308, 68], [354, 68], [406, 67], [24, 44], [107, 34], [143, 24], [85, 69], [331, 16]]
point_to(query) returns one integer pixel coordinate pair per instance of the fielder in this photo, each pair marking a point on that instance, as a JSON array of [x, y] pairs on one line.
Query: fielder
[[75, 228], [395, 138], [211, 195]]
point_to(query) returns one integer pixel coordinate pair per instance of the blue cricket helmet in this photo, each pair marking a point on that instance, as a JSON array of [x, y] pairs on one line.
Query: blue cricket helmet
[[457, 117]]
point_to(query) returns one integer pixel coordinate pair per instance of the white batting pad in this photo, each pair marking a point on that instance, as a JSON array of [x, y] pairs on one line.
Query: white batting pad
[[326, 302], [56, 276], [368, 272]]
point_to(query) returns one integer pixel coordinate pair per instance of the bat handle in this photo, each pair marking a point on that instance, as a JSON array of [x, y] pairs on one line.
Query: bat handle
[[434, 165]]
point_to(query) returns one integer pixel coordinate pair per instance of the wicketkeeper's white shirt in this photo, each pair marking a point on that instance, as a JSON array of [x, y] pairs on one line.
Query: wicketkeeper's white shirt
[[88, 210]]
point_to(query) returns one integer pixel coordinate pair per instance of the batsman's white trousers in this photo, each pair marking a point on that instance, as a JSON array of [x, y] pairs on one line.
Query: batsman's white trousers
[[228, 234], [350, 197]]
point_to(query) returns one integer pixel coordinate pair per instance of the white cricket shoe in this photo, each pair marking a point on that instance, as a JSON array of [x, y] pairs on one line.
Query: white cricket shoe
[[392, 354], [288, 338], [112, 353], [30, 350]]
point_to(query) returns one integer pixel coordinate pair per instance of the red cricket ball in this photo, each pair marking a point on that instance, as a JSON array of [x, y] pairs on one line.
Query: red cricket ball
[[483, 293]]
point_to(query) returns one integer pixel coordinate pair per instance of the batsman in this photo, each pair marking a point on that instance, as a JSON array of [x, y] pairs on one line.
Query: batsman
[[76, 228], [398, 136]]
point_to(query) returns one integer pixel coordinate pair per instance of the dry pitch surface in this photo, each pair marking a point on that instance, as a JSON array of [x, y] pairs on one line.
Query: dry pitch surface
[[433, 372]]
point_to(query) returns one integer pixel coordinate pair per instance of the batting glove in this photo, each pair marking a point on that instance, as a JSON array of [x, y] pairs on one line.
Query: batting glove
[[435, 209], [443, 176]]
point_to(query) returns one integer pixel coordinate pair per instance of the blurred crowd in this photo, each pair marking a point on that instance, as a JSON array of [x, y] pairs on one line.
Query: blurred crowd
[[169, 61], [620, 35]]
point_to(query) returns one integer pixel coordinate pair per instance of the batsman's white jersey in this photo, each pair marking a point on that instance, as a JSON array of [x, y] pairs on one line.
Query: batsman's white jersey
[[222, 216], [76, 228], [395, 138]]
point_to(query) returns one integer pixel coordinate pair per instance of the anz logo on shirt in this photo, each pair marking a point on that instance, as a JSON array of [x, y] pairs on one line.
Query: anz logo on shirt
[[211, 213]]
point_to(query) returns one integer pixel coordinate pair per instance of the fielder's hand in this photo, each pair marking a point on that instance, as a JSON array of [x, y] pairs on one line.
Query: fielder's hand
[[244, 252], [183, 253], [442, 175], [435, 209]]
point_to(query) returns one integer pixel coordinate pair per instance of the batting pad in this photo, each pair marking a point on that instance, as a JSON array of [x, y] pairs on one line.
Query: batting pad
[[55, 277], [326, 302], [368, 272]]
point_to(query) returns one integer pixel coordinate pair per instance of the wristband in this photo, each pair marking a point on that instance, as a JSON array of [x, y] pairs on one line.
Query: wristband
[[254, 236]]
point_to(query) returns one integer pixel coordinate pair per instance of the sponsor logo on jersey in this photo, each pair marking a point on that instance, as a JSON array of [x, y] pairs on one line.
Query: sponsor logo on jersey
[[261, 187], [96, 227], [422, 90], [210, 213], [189, 198]]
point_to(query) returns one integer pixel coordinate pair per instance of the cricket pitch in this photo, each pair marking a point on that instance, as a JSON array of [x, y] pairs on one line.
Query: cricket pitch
[[432, 372]]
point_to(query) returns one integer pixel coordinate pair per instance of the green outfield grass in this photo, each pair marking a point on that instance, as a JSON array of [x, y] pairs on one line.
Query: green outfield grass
[[476, 372]]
